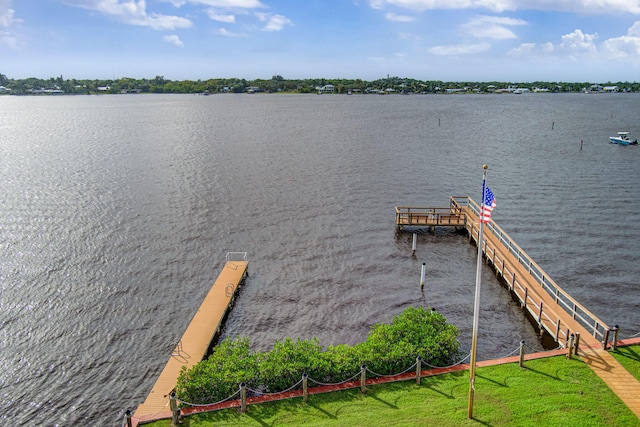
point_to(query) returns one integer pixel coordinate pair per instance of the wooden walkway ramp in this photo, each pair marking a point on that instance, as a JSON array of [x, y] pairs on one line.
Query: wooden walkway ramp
[[552, 309], [201, 333]]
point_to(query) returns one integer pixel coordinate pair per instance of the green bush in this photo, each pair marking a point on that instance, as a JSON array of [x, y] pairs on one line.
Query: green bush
[[389, 349]]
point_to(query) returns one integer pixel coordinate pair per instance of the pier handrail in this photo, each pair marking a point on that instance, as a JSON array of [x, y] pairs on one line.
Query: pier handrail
[[428, 215], [578, 312], [236, 256]]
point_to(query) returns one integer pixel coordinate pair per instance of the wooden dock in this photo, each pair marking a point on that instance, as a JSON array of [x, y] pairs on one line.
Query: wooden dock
[[200, 335], [555, 313]]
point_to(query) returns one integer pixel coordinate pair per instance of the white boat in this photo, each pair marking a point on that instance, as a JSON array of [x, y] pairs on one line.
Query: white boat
[[622, 139]]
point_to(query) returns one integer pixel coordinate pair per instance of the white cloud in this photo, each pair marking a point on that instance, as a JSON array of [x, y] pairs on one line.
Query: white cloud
[[174, 40], [399, 18], [6, 21], [133, 12], [6, 13], [273, 22], [625, 48], [459, 49], [228, 19], [576, 6], [226, 4], [622, 48], [572, 46], [492, 27], [634, 31], [226, 33], [578, 43]]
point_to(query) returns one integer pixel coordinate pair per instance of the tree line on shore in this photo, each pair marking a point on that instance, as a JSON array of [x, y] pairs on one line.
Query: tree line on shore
[[277, 83]]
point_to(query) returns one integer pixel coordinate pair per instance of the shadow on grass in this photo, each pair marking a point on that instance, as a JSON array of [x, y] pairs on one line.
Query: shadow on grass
[[553, 377], [628, 352]]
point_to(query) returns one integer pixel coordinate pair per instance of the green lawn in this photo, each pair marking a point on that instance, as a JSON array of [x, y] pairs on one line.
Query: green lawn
[[547, 392]]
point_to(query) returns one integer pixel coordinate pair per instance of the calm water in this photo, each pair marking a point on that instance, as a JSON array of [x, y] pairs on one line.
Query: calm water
[[117, 212]]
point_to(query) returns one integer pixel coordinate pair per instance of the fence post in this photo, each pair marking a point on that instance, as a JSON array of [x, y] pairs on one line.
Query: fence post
[[605, 341], [577, 343], [175, 412], [127, 415], [616, 329], [570, 346], [418, 369], [522, 354], [305, 390], [243, 397], [363, 378]]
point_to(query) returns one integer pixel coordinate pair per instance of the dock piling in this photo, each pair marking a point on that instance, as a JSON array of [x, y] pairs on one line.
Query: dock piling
[[415, 243], [422, 274]]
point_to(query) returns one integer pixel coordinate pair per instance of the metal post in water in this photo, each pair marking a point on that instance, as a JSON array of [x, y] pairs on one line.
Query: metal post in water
[[415, 242], [522, 354], [422, 274]]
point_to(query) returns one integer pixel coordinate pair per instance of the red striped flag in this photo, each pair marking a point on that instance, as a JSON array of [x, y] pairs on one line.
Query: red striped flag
[[488, 203]]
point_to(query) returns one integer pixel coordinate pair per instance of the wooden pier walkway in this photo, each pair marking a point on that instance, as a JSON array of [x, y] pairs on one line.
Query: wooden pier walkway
[[198, 338], [553, 310]]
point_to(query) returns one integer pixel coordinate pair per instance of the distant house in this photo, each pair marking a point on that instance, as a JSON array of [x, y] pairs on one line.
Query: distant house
[[104, 88], [596, 88], [4, 89], [326, 89], [611, 89]]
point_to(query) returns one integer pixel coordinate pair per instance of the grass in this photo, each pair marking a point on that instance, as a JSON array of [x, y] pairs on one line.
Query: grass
[[629, 357], [547, 392]]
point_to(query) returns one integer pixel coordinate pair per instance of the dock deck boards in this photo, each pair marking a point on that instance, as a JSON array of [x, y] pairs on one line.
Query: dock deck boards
[[197, 338]]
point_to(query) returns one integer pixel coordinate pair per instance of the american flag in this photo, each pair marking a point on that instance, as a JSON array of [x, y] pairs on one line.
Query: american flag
[[488, 203]]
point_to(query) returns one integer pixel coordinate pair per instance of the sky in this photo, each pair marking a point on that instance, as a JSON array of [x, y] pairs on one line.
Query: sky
[[595, 41]]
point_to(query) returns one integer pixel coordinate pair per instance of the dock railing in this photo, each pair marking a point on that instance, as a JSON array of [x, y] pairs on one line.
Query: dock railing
[[236, 256], [578, 312], [431, 216]]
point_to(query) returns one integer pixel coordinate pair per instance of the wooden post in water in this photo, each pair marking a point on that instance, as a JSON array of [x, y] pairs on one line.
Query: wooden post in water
[[127, 415]]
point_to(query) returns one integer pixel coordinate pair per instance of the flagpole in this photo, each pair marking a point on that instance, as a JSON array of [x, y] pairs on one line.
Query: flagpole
[[476, 308]]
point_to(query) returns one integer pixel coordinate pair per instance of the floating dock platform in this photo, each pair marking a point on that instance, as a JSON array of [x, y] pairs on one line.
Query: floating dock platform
[[199, 337]]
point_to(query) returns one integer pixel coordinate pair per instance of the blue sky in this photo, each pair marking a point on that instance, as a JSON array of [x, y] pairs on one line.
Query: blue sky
[[453, 40]]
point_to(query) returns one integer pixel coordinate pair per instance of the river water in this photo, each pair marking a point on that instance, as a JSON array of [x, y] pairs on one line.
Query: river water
[[117, 211]]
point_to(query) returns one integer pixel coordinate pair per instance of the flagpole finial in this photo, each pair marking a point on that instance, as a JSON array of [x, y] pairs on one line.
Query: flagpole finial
[[485, 166]]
